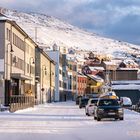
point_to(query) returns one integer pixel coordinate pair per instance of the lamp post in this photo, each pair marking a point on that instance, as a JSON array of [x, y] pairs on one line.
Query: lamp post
[[8, 82], [31, 61], [42, 89]]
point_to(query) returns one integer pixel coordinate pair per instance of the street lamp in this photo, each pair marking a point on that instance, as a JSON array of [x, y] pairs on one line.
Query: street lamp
[[11, 51], [31, 61], [44, 69], [8, 89]]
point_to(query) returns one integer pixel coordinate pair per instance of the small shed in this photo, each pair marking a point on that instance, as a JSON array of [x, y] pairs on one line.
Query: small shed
[[129, 89]]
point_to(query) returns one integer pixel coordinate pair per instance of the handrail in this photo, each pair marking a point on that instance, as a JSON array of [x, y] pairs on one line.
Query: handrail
[[18, 102]]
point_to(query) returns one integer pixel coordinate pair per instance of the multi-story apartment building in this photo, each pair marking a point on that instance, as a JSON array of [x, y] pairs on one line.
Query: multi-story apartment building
[[17, 56], [72, 78], [66, 74]]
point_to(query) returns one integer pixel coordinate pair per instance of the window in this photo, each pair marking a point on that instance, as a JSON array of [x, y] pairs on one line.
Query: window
[[8, 34], [60, 72], [18, 42]]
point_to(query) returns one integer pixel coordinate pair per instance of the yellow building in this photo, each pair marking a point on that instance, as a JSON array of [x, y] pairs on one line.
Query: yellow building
[[94, 84], [45, 77]]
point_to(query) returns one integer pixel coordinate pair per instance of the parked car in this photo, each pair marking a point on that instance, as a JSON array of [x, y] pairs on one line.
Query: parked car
[[89, 109], [83, 102], [108, 108], [126, 102], [78, 99]]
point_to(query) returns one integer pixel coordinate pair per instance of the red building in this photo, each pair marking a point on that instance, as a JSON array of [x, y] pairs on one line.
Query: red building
[[82, 84]]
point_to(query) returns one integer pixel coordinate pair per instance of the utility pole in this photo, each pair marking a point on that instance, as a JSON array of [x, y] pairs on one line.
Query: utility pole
[[36, 34]]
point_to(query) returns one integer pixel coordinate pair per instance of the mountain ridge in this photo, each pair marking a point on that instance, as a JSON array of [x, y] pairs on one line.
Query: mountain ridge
[[47, 30]]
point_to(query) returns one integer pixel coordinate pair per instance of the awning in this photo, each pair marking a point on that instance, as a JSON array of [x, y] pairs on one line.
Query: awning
[[20, 76]]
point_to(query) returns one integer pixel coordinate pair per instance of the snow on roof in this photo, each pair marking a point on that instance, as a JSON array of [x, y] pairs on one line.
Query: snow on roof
[[130, 62], [99, 68], [116, 61], [81, 74], [126, 82], [3, 17], [80, 59], [126, 87], [96, 78], [96, 68], [110, 63], [71, 57], [128, 69]]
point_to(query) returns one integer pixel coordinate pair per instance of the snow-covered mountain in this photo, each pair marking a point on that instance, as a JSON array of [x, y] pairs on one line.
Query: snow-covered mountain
[[47, 30]]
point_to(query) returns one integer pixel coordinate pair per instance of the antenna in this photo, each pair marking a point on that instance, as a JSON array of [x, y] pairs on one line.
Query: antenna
[[35, 34]]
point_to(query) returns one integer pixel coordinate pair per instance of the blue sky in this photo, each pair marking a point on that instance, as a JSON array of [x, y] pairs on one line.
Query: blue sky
[[118, 19]]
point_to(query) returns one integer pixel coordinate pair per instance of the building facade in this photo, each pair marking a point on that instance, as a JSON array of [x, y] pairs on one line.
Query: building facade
[[45, 77], [17, 55], [82, 84], [55, 56]]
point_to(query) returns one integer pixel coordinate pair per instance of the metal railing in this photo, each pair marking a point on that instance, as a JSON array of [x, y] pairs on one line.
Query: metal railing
[[18, 102], [136, 108]]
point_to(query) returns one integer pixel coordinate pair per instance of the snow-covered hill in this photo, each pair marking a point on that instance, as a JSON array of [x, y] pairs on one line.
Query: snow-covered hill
[[47, 30]]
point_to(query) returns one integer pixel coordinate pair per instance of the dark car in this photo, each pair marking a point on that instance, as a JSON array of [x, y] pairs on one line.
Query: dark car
[[108, 108], [83, 102], [78, 99]]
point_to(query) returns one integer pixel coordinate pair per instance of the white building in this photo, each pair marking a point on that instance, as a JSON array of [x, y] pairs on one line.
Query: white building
[[55, 55]]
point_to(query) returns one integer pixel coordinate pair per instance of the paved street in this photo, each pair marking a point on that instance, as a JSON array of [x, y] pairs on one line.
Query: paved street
[[65, 121]]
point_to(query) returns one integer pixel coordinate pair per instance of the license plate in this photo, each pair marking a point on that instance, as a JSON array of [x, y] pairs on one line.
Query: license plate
[[111, 113]]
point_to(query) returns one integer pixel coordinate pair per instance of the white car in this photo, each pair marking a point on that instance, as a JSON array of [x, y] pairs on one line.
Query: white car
[[89, 109], [126, 101]]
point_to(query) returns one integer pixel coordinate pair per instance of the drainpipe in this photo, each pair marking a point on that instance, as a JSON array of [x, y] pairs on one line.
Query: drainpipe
[[50, 82]]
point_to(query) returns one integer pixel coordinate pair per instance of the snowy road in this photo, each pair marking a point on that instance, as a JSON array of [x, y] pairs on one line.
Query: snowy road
[[65, 121]]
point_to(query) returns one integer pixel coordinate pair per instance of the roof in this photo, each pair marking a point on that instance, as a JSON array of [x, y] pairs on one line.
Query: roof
[[110, 62], [13, 23], [46, 55], [130, 62], [126, 82], [95, 78], [96, 68], [126, 87], [81, 75], [132, 69]]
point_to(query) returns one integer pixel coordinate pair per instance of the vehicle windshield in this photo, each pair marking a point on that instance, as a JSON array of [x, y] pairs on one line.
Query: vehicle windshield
[[84, 100], [108, 103], [94, 101]]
